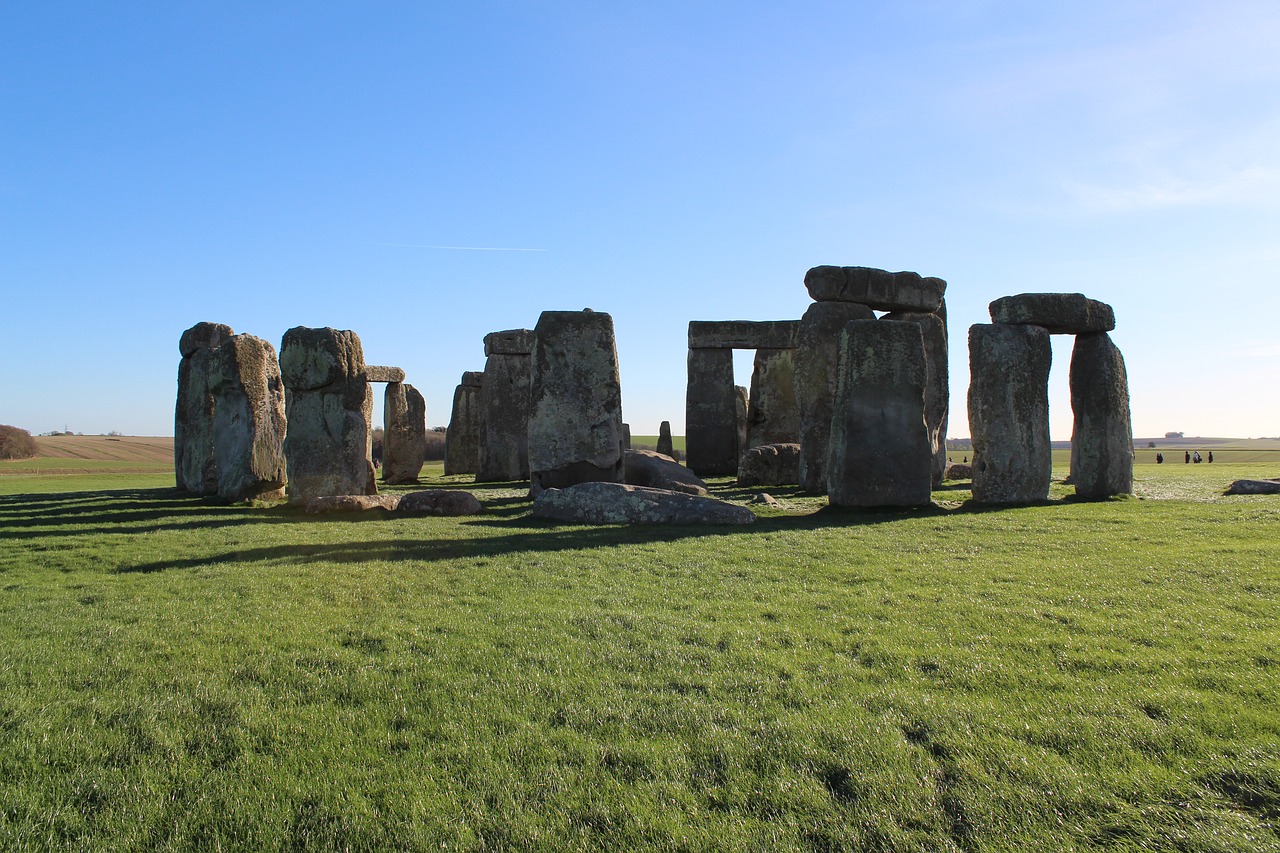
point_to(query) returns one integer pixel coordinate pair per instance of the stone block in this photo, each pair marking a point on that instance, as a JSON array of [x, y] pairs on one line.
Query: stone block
[[742, 334], [1060, 313], [879, 289]]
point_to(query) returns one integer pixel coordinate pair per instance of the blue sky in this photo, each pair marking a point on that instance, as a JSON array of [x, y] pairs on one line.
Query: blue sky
[[272, 165]]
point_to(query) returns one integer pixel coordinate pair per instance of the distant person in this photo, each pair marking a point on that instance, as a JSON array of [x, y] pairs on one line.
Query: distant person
[[1159, 458], [1188, 462], [1210, 455], [1195, 457]]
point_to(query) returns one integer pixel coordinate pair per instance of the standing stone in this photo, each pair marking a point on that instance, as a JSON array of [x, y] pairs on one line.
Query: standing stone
[[741, 405], [773, 417], [575, 413], [465, 433], [664, 440], [626, 436], [879, 453], [1102, 441], [194, 467], [404, 433], [710, 419], [1009, 413], [816, 358], [330, 409], [248, 420], [504, 454], [937, 396]]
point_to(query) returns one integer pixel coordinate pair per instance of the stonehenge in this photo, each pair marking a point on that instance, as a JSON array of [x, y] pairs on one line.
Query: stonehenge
[[773, 416], [404, 432], [504, 453], [329, 407], [575, 432], [879, 453], [664, 440], [194, 467], [248, 420], [465, 433], [1102, 438]]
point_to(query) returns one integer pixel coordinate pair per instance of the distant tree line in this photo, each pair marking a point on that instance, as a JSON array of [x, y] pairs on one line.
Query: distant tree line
[[16, 443]]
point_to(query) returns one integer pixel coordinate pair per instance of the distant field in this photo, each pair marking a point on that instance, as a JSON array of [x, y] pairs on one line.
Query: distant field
[[643, 441], [80, 454]]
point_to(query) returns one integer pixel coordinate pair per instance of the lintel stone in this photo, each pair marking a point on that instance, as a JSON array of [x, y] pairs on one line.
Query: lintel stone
[[1060, 313], [879, 289], [742, 334], [509, 342], [380, 373]]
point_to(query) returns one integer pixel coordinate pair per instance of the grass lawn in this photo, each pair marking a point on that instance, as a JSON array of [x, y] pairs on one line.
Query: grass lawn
[[178, 674]]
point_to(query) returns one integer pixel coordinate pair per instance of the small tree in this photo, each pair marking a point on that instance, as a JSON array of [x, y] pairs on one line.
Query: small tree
[[16, 443]]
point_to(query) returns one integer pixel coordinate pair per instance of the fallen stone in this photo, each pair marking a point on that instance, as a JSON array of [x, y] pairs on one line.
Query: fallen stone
[[770, 465], [959, 471], [1060, 313], [575, 401], [439, 502], [618, 503], [658, 471], [766, 499], [350, 503], [880, 289], [1254, 487]]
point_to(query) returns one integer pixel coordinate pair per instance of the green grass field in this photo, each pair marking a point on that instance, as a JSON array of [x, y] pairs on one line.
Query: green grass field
[[178, 674]]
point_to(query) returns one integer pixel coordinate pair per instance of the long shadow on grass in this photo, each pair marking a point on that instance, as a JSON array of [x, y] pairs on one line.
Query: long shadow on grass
[[519, 535], [118, 511]]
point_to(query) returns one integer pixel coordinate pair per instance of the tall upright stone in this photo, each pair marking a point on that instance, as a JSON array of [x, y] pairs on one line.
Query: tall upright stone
[[1102, 440], [816, 359], [575, 415], [505, 452], [937, 398], [665, 446], [330, 409], [741, 405], [248, 420], [404, 433], [773, 416], [1009, 413], [710, 413], [879, 452], [194, 467], [465, 433]]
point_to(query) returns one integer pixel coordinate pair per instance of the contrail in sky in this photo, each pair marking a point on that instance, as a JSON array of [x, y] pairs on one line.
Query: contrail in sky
[[462, 248]]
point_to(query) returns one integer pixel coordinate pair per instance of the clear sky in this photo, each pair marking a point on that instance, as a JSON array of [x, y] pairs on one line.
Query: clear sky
[[424, 173]]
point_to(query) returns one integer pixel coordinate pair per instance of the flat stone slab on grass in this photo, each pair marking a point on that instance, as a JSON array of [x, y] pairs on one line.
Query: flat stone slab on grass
[[439, 502], [617, 503], [1060, 313], [879, 289], [1254, 487], [770, 465], [659, 471], [351, 503]]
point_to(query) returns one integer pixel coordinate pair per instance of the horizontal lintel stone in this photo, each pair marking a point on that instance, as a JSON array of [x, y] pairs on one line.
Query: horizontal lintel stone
[[1060, 313], [743, 334], [878, 289], [381, 373]]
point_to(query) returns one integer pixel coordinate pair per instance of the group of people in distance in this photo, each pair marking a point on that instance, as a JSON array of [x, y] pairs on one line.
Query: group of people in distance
[[1189, 457]]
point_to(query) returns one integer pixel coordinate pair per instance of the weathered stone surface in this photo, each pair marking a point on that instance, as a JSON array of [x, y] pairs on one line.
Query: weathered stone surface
[[1102, 438], [656, 471], [817, 355], [618, 503], [766, 499], [194, 468], [664, 440], [937, 395], [404, 433], [1060, 313], [959, 471], [1254, 487], [741, 404], [770, 465], [330, 408], [710, 413], [380, 373], [248, 420], [509, 342], [439, 502], [575, 416], [464, 437], [626, 436], [742, 334], [879, 454], [1009, 413], [773, 416], [880, 289], [504, 453], [350, 503]]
